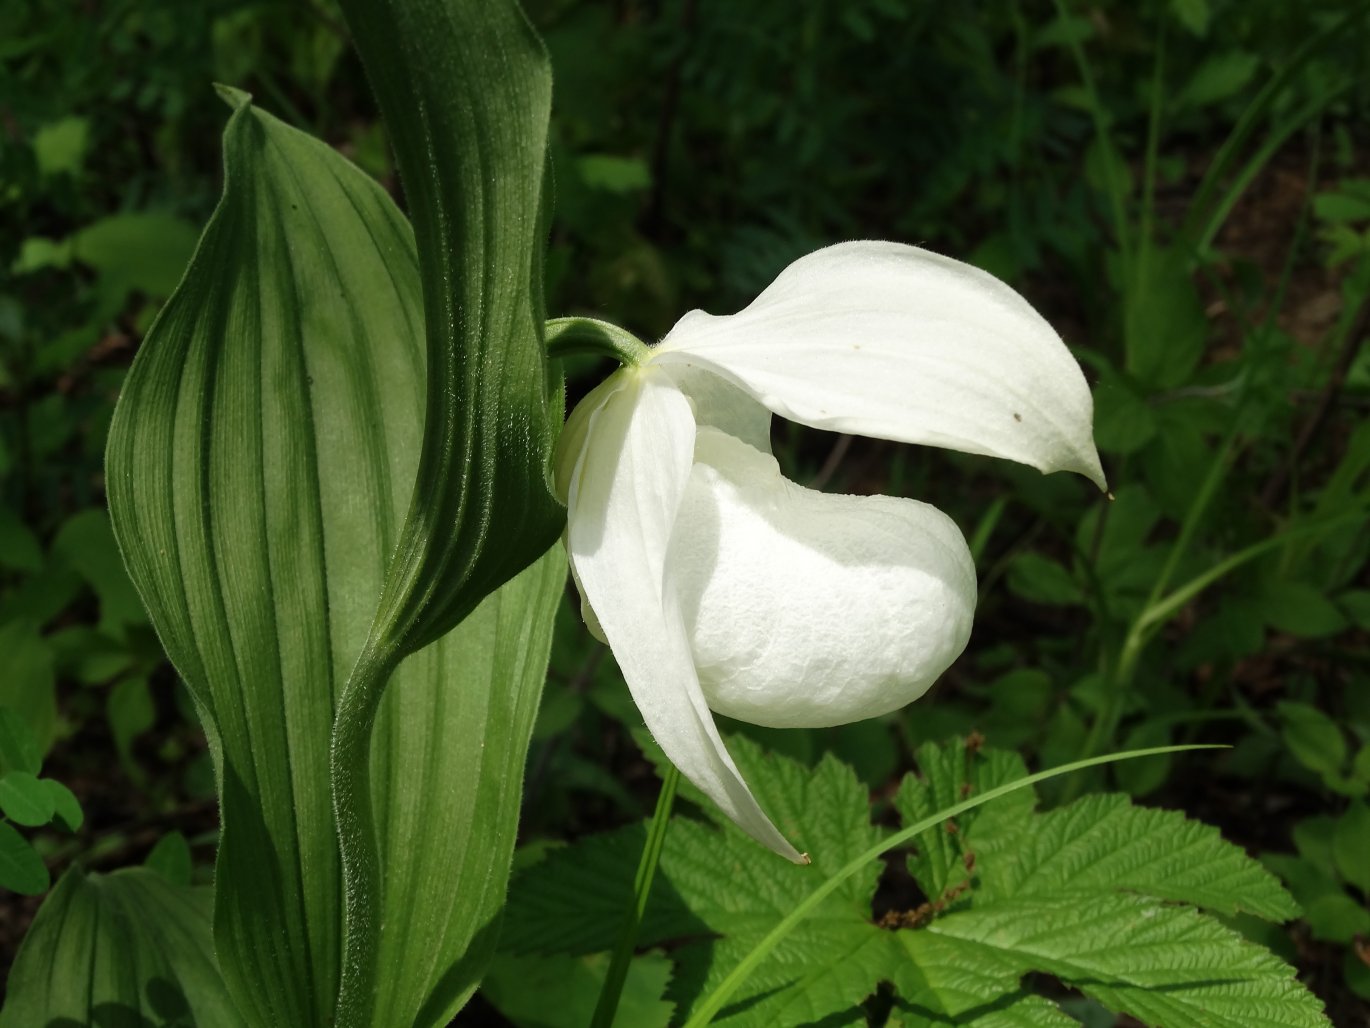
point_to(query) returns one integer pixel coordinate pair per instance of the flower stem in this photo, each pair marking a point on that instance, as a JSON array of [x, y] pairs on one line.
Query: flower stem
[[568, 337], [642, 887]]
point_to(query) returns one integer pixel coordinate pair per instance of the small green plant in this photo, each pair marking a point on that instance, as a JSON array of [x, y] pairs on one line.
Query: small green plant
[[1011, 914]]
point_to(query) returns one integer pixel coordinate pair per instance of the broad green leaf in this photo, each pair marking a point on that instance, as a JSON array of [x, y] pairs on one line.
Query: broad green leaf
[[60, 146], [1220, 76], [448, 755], [1166, 327], [1351, 845], [260, 464], [1336, 917], [1124, 422], [1042, 580], [67, 813], [86, 543], [465, 90], [119, 949], [19, 547], [171, 859], [1163, 965], [145, 251], [26, 681], [1313, 738], [25, 800], [21, 869], [1300, 609], [19, 750], [561, 991], [130, 712], [1104, 843]]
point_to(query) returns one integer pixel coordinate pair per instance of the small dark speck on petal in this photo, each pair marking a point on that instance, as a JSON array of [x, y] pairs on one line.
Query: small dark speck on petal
[[1017, 416]]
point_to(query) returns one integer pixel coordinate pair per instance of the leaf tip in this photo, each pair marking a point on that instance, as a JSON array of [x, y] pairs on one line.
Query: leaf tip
[[235, 98]]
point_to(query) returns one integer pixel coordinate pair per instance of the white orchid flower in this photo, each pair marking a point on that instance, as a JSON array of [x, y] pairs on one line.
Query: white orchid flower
[[720, 585]]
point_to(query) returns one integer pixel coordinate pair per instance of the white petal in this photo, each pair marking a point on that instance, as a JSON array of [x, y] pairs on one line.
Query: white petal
[[622, 503], [719, 404], [806, 609], [887, 340]]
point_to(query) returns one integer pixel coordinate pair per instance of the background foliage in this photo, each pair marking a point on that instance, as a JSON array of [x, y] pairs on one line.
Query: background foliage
[[1179, 185]]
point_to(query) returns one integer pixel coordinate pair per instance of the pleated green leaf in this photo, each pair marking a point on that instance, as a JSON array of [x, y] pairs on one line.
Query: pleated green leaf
[[122, 949], [262, 460], [447, 760], [465, 88]]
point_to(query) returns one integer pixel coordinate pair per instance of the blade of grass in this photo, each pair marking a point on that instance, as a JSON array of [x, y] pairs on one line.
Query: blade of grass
[[1254, 112], [1112, 161], [642, 888], [714, 1002]]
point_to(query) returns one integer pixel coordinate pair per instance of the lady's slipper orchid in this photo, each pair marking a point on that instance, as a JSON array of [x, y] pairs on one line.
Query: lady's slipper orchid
[[719, 584]]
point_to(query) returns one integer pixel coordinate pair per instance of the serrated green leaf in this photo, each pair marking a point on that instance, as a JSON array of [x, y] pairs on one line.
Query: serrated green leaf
[[949, 981], [1163, 965], [119, 949], [21, 869], [713, 879], [572, 901], [25, 800], [950, 773], [260, 464], [1104, 843]]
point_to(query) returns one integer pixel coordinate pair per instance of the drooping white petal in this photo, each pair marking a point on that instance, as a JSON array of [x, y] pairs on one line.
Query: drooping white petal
[[806, 609], [623, 496], [886, 340]]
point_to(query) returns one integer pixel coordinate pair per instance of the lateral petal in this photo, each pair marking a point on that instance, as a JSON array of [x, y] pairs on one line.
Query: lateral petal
[[623, 497], [896, 342]]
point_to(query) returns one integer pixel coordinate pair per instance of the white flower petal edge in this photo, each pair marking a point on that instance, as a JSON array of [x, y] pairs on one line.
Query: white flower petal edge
[[621, 510], [887, 340], [806, 609]]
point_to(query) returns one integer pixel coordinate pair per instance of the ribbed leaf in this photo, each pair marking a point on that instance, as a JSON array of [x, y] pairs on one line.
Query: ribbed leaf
[[122, 949], [1164, 965], [1103, 843], [261, 462], [465, 87], [465, 90], [447, 760]]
